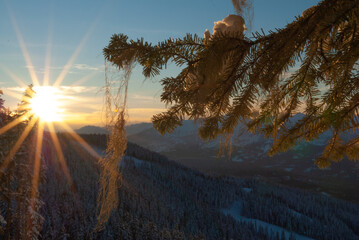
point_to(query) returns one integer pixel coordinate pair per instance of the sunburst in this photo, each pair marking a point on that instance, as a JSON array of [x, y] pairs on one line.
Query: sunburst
[[44, 109]]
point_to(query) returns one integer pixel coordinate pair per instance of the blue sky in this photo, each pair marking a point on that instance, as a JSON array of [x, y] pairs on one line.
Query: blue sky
[[59, 30]]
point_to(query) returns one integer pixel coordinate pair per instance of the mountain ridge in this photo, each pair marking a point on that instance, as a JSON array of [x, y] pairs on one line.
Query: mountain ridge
[[248, 158]]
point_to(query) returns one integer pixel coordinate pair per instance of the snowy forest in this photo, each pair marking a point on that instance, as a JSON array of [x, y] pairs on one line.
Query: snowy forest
[[160, 199]]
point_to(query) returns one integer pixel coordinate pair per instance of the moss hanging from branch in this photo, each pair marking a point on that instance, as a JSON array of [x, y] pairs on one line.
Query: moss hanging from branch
[[116, 113]]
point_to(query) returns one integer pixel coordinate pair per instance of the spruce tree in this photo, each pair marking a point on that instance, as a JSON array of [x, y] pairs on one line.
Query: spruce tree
[[25, 105], [228, 78], [1, 101]]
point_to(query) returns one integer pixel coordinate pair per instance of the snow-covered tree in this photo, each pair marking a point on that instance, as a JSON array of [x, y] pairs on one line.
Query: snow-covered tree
[[20, 205]]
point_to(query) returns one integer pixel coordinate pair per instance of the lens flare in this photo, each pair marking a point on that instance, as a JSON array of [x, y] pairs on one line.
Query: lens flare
[[41, 106]]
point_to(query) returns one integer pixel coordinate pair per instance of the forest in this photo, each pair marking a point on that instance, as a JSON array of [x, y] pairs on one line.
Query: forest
[[160, 199]]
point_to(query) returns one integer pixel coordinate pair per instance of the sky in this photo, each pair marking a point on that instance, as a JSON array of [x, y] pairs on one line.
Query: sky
[[49, 39]]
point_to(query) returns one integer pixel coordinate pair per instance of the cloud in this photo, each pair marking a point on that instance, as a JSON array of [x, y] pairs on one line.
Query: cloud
[[143, 114], [64, 90], [84, 118], [142, 97], [87, 67], [34, 67], [97, 117], [79, 89], [72, 96], [73, 69], [42, 70]]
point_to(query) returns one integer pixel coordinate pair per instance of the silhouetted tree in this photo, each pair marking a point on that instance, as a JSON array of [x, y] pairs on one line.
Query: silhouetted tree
[[21, 219], [25, 105]]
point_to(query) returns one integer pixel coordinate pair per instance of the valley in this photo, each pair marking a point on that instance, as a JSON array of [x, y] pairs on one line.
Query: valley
[[249, 158]]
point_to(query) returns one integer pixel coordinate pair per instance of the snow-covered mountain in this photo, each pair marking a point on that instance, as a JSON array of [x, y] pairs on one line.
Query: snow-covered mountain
[[130, 129], [249, 158], [187, 135]]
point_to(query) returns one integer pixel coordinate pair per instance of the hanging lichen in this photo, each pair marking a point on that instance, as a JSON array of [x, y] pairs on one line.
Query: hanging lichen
[[116, 113]]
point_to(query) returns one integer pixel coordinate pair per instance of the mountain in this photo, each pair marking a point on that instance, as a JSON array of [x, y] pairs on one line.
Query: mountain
[[137, 128], [130, 129], [249, 158], [91, 130], [161, 199]]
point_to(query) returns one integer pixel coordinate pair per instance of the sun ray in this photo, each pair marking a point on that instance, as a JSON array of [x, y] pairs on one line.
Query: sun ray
[[80, 140], [18, 143], [14, 94], [68, 65], [13, 76], [24, 49], [73, 188], [37, 162], [59, 152], [46, 79], [15, 122]]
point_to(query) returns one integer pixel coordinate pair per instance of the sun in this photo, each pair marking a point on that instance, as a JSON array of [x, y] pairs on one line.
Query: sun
[[46, 104]]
